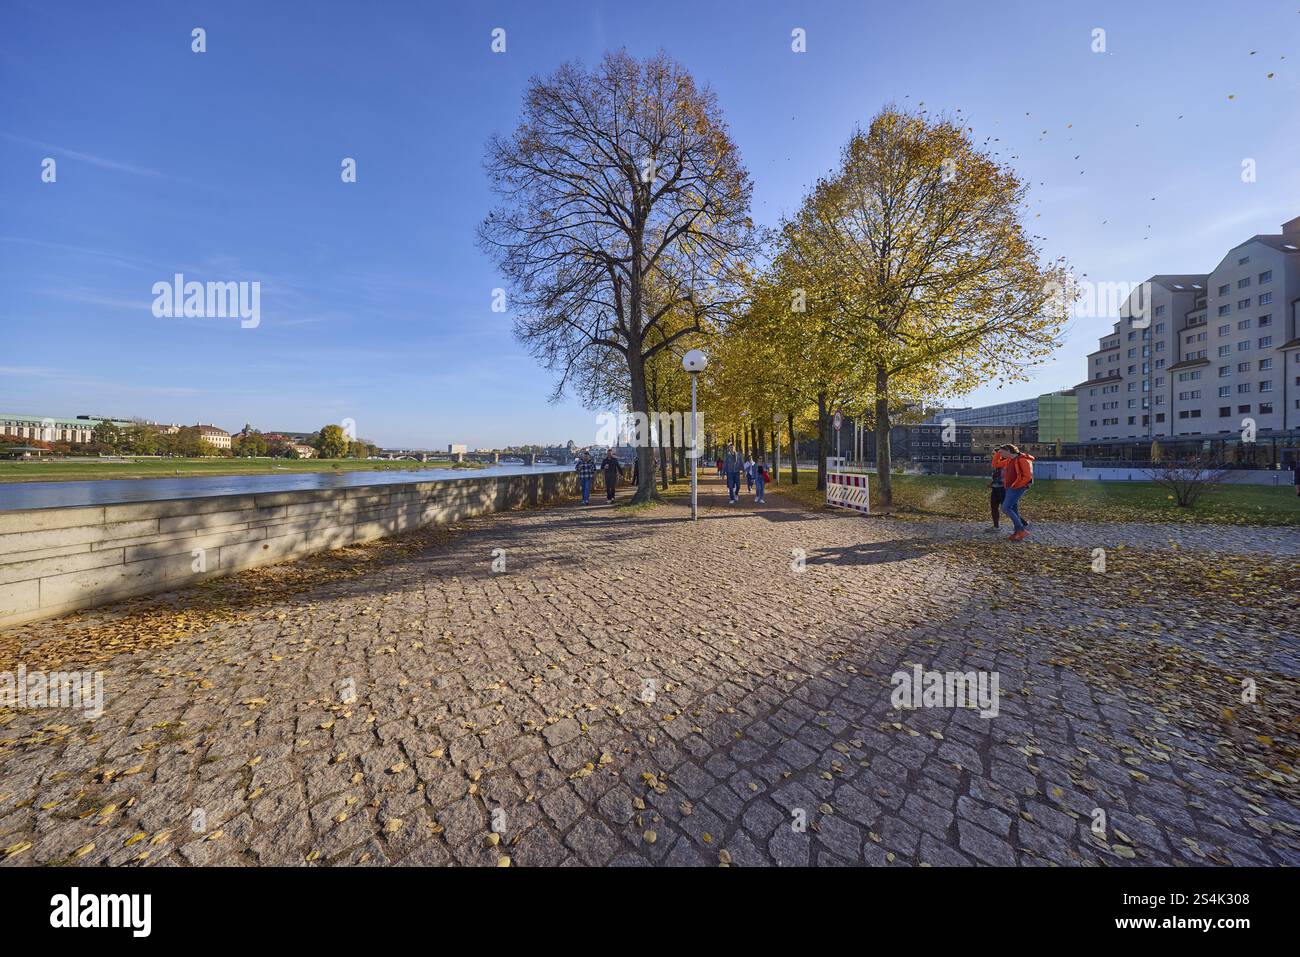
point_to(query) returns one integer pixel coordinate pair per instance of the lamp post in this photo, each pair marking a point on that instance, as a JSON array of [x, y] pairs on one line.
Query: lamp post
[[694, 362]]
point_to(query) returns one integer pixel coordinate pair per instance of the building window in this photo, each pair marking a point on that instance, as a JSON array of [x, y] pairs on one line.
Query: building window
[[1225, 289], [1225, 309], [1266, 276], [1265, 298], [1265, 365], [1243, 345], [1225, 411], [1225, 391], [1265, 341], [1243, 283], [1266, 385], [1266, 408], [1243, 303]]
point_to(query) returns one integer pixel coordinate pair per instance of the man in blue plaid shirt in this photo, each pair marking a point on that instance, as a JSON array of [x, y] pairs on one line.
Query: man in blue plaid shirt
[[586, 470]]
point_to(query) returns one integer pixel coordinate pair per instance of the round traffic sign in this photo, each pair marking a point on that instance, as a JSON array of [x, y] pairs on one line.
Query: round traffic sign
[[839, 420]]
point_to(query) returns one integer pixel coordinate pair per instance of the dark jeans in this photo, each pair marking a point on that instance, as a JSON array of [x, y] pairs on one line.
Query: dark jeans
[[609, 488], [995, 500], [1011, 505], [733, 484]]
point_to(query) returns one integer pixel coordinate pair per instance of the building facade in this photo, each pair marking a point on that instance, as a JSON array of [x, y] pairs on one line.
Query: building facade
[[1203, 355], [45, 428], [1051, 417], [217, 438]]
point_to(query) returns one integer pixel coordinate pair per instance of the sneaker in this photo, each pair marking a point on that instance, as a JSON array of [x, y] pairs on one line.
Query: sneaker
[[1018, 536], [993, 528]]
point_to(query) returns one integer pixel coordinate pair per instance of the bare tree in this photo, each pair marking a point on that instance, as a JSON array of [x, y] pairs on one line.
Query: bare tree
[[618, 180], [1186, 479]]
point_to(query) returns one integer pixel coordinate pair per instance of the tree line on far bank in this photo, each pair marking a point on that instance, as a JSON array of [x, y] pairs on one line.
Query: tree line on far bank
[[907, 274]]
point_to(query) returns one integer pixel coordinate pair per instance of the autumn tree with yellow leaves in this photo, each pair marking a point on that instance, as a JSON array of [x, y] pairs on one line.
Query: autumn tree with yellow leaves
[[916, 261]]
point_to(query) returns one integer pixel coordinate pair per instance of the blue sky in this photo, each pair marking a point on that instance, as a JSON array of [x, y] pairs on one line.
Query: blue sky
[[375, 300]]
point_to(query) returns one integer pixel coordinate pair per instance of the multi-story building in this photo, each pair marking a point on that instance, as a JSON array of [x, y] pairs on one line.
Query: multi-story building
[[1051, 417], [1126, 395], [1208, 355], [218, 438], [45, 428]]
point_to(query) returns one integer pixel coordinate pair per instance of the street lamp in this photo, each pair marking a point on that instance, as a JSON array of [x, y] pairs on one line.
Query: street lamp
[[694, 362]]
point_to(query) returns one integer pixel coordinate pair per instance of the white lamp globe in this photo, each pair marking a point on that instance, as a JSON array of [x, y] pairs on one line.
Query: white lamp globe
[[694, 361]]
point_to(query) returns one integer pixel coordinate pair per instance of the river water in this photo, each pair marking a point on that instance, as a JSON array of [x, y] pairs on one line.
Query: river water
[[15, 495]]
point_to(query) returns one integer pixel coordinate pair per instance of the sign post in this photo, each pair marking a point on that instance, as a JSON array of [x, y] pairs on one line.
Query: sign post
[[839, 421]]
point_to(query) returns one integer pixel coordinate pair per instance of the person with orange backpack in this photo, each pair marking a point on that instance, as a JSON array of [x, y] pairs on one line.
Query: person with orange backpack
[[1017, 476]]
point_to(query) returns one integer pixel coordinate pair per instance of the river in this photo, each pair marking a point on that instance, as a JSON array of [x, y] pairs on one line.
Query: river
[[16, 495]]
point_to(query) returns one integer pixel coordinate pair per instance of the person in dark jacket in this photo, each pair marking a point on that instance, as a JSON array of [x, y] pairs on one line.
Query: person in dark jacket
[[731, 469], [586, 470], [612, 472], [997, 490], [1297, 475]]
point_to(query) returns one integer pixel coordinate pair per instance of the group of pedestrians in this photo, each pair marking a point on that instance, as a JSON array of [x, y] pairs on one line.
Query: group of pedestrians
[[755, 471], [610, 468]]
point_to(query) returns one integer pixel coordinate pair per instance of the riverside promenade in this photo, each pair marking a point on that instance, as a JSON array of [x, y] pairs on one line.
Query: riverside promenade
[[570, 685]]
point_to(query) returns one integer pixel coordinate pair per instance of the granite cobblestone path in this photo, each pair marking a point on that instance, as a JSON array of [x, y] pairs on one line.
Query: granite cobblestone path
[[635, 689]]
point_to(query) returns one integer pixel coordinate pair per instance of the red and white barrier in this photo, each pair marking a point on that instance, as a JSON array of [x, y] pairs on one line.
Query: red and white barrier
[[846, 486]]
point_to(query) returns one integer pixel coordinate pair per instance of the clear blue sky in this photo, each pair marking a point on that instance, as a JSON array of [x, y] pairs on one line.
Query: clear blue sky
[[375, 300]]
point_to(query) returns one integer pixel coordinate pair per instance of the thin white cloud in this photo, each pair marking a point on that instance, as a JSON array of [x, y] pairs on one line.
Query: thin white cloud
[[59, 152]]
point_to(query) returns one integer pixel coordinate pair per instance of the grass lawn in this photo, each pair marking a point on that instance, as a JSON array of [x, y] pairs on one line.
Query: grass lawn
[[79, 470], [967, 497]]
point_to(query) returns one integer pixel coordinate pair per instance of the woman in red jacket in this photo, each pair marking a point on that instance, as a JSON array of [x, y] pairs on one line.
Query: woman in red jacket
[[1017, 476]]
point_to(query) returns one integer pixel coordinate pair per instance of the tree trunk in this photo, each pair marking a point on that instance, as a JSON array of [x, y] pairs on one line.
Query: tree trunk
[[884, 462], [645, 490], [794, 450], [663, 461], [823, 441]]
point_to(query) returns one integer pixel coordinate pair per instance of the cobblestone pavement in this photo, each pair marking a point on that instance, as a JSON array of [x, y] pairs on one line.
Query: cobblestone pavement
[[635, 689]]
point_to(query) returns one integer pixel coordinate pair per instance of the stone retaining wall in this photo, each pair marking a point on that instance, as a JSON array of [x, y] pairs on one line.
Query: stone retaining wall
[[55, 560]]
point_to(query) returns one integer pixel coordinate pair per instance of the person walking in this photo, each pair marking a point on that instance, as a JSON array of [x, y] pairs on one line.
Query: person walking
[[997, 490], [612, 471], [1017, 476], [586, 470], [761, 477], [731, 469], [749, 473]]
